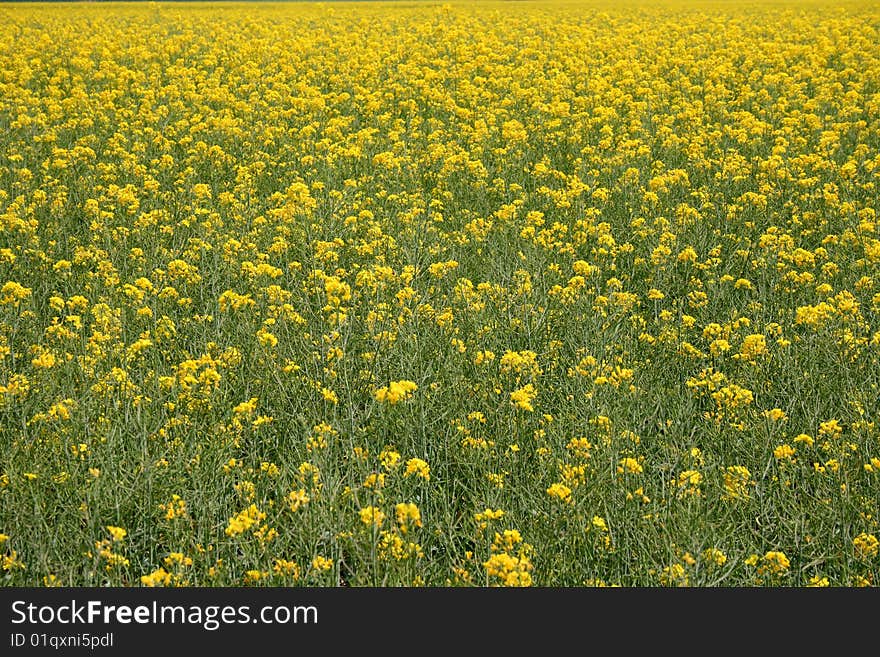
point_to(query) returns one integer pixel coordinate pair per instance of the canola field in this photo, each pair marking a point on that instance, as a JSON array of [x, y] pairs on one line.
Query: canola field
[[421, 294]]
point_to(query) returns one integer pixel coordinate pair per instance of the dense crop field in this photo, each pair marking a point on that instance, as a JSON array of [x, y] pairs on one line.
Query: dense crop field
[[421, 294]]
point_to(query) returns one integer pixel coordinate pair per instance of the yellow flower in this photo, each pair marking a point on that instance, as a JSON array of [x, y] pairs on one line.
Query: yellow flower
[[688, 482], [117, 533], [674, 575], [775, 414], [267, 339], [483, 357], [159, 577], [375, 480], [687, 255], [418, 468], [561, 492], [866, 545], [321, 563], [178, 559], [395, 391], [737, 481], [407, 514], [520, 362], [483, 517], [176, 508], [246, 408], [392, 547], [13, 293], [371, 516], [297, 499], [508, 570], [719, 346], [389, 459], [629, 465], [523, 397], [753, 346], [784, 452], [45, 360], [245, 520], [51, 580], [830, 428], [286, 568], [732, 396], [776, 562], [715, 556]]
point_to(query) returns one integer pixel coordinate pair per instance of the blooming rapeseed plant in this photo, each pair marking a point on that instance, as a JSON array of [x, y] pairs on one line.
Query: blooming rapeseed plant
[[289, 287]]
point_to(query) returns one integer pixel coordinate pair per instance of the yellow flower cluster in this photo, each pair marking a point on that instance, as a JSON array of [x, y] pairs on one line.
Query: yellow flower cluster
[[245, 520], [510, 561], [337, 294], [395, 391]]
